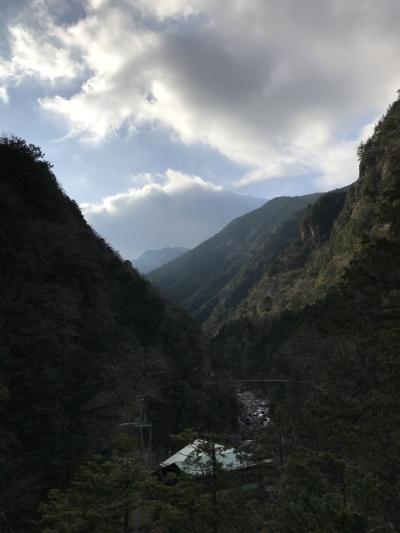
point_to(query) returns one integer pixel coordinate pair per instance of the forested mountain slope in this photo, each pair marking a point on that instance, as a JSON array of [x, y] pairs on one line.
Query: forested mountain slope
[[333, 233], [81, 335], [326, 315], [294, 267], [266, 259], [196, 279]]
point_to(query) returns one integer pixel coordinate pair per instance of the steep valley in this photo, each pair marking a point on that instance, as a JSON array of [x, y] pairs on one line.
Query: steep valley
[[303, 293], [315, 304], [200, 280]]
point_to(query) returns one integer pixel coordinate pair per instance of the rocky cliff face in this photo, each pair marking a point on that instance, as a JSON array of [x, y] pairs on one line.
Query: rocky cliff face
[[318, 220]]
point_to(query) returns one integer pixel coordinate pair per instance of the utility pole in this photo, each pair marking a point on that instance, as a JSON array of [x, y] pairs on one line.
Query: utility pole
[[144, 428], [214, 486], [145, 433]]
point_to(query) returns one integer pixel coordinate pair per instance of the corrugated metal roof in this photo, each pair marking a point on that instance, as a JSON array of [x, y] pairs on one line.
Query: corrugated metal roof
[[194, 459]]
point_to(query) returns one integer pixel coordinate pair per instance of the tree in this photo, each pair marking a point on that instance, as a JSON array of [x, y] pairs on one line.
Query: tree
[[103, 496], [205, 496]]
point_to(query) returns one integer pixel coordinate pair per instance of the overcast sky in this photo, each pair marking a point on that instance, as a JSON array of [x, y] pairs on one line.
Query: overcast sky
[[158, 114]]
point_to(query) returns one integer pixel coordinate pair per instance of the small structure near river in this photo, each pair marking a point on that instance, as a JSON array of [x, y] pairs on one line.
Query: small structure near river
[[202, 459]]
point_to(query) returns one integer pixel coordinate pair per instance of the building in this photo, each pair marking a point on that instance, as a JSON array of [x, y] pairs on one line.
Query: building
[[201, 458]]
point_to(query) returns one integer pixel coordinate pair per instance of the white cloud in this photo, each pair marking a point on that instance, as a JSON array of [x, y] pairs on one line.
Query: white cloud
[[181, 210], [143, 178], [175, 182], [164, 9], [40, 56], [338, 166], [4, 95], [275, 86]]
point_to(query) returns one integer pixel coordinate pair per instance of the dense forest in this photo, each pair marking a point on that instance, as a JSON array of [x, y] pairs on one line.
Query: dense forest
[[309, 297], [325, 314], [82, 335]]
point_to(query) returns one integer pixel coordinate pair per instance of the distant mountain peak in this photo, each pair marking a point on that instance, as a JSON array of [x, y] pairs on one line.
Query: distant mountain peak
[[152, 259]]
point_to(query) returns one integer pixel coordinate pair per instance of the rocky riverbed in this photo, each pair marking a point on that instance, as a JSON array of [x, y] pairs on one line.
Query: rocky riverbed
[[253, 411]]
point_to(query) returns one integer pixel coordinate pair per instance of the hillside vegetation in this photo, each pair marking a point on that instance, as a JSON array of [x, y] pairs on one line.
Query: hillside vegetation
[[82, 334], [304, 291], [325, 316], [199, 279]]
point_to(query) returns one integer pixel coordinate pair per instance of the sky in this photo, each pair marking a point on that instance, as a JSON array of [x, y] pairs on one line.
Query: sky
[[165, 119]]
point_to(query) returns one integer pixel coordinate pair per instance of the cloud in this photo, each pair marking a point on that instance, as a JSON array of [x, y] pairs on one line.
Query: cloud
[[4, 95], [38, 55], [273, 86], [172, 210]]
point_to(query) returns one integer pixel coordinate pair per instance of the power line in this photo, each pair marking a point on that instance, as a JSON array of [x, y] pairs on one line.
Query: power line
[[259, 381]]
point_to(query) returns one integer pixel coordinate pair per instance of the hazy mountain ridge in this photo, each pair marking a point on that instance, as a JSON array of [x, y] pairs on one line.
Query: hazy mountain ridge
[[152, 259], [196, 279]]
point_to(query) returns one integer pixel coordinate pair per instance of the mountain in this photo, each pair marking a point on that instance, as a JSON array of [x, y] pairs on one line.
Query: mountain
[[309, 318], [324, 318], [197, 279], [152, 259], [82, 335], [265, 260]]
